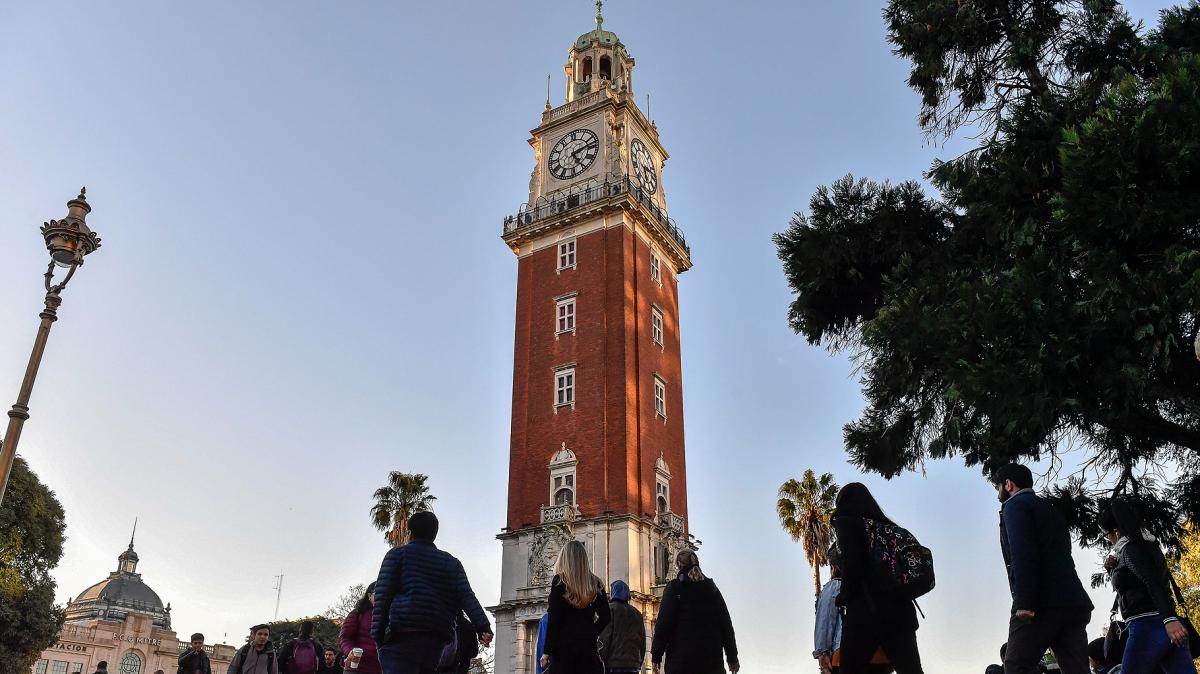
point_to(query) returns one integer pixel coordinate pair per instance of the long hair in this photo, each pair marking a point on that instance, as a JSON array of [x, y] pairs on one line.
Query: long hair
[[855, 500], [575, 571], [1123, 515], [688, 565], [364, 604]]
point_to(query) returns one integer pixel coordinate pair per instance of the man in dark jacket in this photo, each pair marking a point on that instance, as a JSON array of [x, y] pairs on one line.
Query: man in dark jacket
[[332, 664], [622, 642], [419, 593], [1050, 608], [257, 656], [194, 660], [304, 654]]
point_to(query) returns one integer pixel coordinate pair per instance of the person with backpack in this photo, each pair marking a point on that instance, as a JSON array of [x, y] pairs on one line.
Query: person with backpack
[[693, 626], [1050, 608], [304, 654], [578, 610], [356, 634], [877, 597], [194, 660], [1157, 637], [622, 644], [257, 656], [418, 596]]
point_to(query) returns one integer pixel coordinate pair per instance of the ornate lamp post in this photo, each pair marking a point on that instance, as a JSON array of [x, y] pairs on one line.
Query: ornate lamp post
[[68, 240]]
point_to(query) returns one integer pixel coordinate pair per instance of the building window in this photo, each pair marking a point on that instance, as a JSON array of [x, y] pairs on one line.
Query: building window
[[562, 477], [564, 387], [656, 325], [662, 563], [565, 315], [662, 500], [131, 664], [563, 489], [76, 668], [660, 398], [655, 268], [566, 254], [58, 667], [41, 667]]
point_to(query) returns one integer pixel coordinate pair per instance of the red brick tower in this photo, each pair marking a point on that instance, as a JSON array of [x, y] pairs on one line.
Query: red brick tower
[[597, 449]]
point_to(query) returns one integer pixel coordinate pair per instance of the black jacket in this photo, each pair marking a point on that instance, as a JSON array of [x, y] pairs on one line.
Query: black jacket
[[190, 662], [571, 632], [623, 643], [866, 600], [1037, 553], [693, 628], [1143, 582], [287, 654]]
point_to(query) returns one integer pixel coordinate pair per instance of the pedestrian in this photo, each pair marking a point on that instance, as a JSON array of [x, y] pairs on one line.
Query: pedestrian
[[333, 663], [1098, 661], [693, 626], [358, 649], [101, 667], [540, 649], [418, 596], [827, 634], [257, 656], [578, 611], [1050, 608], [304, 654], [194, 660], [1158, 640], [874, 616], [622, 643]]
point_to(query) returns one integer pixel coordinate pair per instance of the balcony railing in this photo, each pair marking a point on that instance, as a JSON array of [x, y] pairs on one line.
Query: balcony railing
[[669, 520], [566, 202], [558, 513], [577, 104]]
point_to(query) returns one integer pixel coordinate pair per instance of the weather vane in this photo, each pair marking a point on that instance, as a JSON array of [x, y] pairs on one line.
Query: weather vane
[[599, 13]]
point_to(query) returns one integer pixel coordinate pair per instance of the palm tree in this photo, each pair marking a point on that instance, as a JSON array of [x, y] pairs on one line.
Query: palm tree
[[804, 510], [404, 494]]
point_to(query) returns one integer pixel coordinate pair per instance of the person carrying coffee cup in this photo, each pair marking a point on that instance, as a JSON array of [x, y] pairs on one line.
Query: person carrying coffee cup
[[358, 648]]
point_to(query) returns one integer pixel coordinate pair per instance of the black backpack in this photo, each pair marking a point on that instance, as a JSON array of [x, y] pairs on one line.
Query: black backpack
[[897, 559]]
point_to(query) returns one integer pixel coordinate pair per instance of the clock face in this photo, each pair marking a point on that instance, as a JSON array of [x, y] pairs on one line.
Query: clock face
[[643, 166], [573, 154]]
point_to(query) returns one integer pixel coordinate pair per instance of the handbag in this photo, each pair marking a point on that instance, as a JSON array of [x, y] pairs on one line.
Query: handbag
[[1193, 636], [448, 659], [1115, 637]]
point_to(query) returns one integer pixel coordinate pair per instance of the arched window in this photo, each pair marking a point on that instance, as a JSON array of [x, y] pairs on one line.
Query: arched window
[[562, 477], [606, 67], [585, 73], [131, 664]]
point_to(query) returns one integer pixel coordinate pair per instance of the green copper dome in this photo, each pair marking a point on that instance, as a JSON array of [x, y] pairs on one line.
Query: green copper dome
[[606, 38]]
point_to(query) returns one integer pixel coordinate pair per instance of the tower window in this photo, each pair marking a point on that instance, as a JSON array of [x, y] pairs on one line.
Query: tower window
[[662, 497], [660, 397], [606, 67], [565, 316], [656, 326], [564, 489], [655, 268], [566, 254], [586, 73], [564, 387]]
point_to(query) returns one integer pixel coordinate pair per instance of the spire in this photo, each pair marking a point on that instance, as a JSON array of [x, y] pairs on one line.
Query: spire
[[128, 560], [131, 536], [599, 14]]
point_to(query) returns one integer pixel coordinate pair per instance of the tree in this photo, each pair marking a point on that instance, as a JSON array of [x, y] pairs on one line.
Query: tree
[[325, 631], [31, 542], [1048, 295], [804, 510], [1187, 570], [403, 495], [341, 608]]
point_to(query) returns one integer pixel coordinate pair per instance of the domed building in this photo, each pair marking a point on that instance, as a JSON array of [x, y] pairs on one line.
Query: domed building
[[122, 621]]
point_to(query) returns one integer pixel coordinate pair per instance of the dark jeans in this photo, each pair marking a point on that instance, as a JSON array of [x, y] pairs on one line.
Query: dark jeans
[[861, 640], [1149, 651], [1062, 630], [411, 653]]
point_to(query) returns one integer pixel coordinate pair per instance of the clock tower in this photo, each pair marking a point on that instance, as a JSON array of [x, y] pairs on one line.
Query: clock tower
[[596, 451]]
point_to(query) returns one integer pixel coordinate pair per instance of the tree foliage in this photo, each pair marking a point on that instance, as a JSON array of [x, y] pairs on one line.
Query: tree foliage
[[31, 542], [325, 631], [1048, 294], [403, 495], [805, 507], [341, 608]]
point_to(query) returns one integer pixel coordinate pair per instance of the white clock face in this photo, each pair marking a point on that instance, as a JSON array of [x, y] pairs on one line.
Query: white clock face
[[573, 154], [643, 166]]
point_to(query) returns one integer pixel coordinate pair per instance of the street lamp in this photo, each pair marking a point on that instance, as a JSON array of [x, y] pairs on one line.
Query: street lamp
[[68, 240]]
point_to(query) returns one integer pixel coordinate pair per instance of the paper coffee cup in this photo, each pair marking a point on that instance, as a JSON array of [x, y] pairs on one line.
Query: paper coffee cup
[[355, 657]]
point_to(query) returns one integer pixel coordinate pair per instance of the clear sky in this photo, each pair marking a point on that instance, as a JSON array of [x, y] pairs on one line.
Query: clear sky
[[302, 287]]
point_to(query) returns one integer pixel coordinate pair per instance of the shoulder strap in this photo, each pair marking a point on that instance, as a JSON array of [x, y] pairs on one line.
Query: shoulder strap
[[1178, 595]]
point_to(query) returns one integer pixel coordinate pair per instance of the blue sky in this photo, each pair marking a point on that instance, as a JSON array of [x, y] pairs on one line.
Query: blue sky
[[302, 286]]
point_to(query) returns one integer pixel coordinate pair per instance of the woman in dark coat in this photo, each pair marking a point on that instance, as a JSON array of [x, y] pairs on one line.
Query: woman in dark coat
[[874, 618], [1158, 641], [356, 633], [578, 612], [693, 626]]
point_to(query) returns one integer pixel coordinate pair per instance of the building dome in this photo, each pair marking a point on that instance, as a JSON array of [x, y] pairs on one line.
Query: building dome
[[119, 595], [606, 38]]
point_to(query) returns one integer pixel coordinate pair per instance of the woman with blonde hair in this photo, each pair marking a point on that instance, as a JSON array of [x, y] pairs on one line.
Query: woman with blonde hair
[[693, 625], [578, 612]]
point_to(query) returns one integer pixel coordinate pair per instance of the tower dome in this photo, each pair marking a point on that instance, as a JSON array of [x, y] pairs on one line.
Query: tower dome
[[122, 593]]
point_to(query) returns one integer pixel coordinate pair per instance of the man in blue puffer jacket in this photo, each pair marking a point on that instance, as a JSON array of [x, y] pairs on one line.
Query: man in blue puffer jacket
[[418, 595]]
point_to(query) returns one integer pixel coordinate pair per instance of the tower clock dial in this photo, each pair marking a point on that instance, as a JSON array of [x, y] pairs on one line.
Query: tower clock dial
[[573, 154], [643, 166]]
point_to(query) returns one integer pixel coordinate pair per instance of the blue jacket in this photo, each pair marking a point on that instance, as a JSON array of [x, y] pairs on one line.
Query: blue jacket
[[422, 589], [1037, 552]]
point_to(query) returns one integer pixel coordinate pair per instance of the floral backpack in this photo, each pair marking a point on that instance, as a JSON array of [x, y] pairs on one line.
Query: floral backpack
[[901, 564]]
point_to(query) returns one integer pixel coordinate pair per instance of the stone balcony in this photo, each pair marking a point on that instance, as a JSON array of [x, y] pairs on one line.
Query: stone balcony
[[670, 521], [558, 513]]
